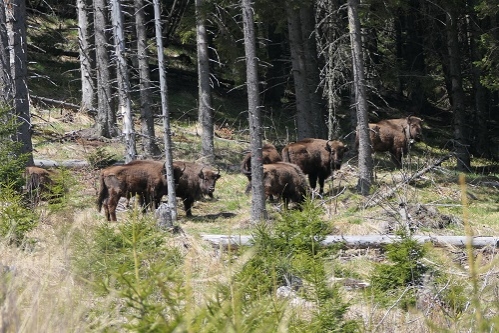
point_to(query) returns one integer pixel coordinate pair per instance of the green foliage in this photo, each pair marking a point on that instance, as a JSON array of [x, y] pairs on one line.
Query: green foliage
[[403, 270], [13, 162], [101, 158], [290, 251], [16, 220]]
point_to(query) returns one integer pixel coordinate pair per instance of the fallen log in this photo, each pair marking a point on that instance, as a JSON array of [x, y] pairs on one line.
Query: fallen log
[[62, 104], [70, 164], [366, 241]]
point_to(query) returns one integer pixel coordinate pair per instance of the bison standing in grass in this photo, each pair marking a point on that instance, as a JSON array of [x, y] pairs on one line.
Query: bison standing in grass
[[395, 136], [39, 183], [144, 177], [269, 155], [317, 158], [196, 181], [286, 181]]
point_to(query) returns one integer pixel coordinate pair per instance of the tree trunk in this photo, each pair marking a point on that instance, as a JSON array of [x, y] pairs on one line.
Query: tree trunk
[[303, 117], [205, 110], [258, 212], [125, 104], [457, 93], [146, 117], [312, 72], [6, 93], [365, 154], [87, 85], [172, 198], [365, 241], [16, 27], [105, 124]]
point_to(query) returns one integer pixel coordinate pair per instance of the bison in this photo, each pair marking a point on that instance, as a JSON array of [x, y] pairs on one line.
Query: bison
[[144, 177], [395, 136], [269, 155], [286, 181], [317, 158], [39, 183], [196, 181]]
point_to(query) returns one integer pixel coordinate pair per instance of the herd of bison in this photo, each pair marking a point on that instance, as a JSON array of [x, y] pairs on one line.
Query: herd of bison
[[284, 174]]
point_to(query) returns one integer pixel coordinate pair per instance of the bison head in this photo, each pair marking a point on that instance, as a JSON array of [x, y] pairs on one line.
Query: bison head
[[208, 179], [336, 150], [415, 128]]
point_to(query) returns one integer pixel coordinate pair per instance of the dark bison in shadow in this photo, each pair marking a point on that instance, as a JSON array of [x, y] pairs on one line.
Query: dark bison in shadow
[[39, 184], [285, 181], [269, 155], [395, 136], [196, 181], [317, 158], [144, 177]]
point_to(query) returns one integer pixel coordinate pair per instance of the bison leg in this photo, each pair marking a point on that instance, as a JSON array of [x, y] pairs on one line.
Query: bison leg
[[112, 203], [312, 178], [188, 202], [396, 157]]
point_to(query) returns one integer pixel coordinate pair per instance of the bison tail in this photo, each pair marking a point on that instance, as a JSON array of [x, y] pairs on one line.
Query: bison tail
[[103, 194]]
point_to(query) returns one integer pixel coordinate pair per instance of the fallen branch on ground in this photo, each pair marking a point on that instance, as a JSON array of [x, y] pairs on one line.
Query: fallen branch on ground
[[367, 241]]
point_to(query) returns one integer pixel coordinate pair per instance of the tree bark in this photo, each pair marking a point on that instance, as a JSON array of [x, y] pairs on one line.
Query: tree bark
[[457, 93], [105, 124], [258, 212], [205, 110], [172, 198], [6, 84], [16, 27], [365, 154], [303, 117], [87, 84], [365, 241], [125, 103], [146, 117]]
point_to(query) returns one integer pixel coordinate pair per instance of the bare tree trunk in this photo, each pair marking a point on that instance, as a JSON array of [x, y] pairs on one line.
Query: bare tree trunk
[[125, 104], [258, 212], [365, 154], [16, 27], [105, 124], [6, 93], [307, 19], [146, 117], [172, 198], [457, 93], [87, 85], [205, 110], [303, 117]]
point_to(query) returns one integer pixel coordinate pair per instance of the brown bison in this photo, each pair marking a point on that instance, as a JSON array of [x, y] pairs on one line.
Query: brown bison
[[196, 181], [286, 181], [317, 158], [39, 183], [269, 155], [144, 177], [395, 136]]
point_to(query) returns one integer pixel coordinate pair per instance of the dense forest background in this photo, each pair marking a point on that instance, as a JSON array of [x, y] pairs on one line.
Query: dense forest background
[[434, 60]]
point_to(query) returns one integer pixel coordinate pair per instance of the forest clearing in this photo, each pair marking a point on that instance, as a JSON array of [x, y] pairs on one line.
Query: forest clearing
[[392, 228]]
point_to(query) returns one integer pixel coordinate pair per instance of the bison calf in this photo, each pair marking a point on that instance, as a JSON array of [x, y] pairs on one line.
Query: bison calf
[[144, 177], [317, 158], [395, 136], [196, 181], [269, 155], [285, 181]]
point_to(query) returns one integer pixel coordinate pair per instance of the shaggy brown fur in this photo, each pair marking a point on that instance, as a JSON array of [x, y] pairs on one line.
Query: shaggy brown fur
[[269, 155], [395, 136], [316, 158], [39, 183], [285, 181], [144, 177], [197, 180]]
